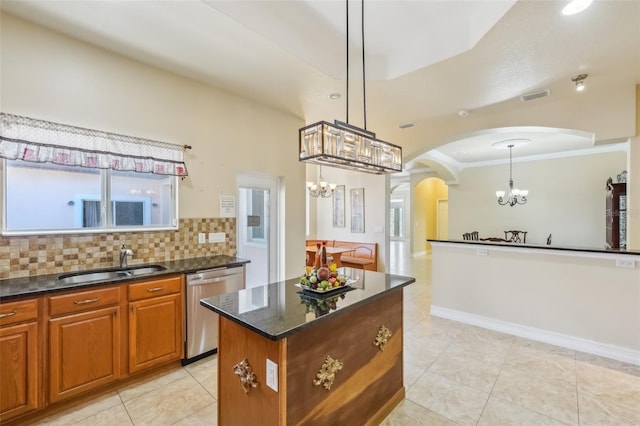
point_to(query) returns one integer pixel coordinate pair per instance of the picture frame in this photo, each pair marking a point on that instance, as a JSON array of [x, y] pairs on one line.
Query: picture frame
[[338, 207], [357, 210]]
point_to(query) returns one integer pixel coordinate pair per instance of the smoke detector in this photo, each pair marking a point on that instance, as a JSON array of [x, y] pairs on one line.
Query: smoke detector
[[463, 112]]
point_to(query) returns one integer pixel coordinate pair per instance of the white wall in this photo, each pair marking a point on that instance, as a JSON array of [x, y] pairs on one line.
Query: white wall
[[49, 76], [566, 199]]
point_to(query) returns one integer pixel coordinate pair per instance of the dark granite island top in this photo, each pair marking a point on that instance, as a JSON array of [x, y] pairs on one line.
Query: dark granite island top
[[286, 357], [280, 309]]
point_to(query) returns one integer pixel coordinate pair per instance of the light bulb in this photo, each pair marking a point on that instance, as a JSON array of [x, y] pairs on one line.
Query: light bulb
[[500, 194], [580, 86]]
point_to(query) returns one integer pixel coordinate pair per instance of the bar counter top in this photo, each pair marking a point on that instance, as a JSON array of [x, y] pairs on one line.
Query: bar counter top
[[547, 248], [280, 309]]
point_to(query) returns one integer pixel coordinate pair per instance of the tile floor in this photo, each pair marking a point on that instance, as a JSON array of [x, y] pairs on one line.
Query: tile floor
[[455, 374]]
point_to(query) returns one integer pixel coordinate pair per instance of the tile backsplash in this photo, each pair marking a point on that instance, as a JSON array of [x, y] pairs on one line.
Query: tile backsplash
[[22, 256]]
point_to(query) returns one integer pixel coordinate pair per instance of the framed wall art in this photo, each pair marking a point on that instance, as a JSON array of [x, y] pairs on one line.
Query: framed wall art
[[338, 207], [357, 210]]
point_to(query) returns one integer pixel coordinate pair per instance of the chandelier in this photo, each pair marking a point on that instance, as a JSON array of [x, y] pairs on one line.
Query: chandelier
[[346, 146], [321, 188], [514, 195]]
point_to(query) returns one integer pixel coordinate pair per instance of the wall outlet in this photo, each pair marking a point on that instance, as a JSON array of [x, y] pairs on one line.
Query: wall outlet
[[482, 252], [624, 263], [201, 238], [272, 375], [217, 237]]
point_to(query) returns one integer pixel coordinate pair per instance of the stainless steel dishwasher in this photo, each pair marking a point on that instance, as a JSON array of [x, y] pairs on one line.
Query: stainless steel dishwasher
[[201, 337]]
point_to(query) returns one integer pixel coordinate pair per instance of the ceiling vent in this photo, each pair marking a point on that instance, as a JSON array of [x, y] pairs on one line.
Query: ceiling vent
[[535, 95], [406, 125]]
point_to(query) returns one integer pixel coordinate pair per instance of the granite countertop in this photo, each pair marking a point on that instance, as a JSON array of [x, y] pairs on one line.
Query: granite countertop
[[541, 246], [41, 284], [280, 309]]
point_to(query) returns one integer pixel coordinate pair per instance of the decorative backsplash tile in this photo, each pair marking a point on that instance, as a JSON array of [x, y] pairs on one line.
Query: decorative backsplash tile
[[22, 256]]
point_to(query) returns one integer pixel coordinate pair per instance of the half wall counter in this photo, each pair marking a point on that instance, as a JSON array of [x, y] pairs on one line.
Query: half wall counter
[[288, 356], [580, 298]]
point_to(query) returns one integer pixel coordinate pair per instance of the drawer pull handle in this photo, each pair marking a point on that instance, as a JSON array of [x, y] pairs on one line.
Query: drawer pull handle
[[154, 289], [9, 314], [84, 302]]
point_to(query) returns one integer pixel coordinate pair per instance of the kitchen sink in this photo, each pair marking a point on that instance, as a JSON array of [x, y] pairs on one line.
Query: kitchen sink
[[109, 274]]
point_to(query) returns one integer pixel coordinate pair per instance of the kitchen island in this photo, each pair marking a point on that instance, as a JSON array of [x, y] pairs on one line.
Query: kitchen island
[[288, 356]]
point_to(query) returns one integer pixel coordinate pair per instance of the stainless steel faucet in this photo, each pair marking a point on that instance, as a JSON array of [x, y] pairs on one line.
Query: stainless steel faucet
[[124, 253]]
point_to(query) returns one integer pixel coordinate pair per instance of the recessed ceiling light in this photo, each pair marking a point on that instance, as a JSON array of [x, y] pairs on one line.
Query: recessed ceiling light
[[463, 112], [335, 96], [576, 6]]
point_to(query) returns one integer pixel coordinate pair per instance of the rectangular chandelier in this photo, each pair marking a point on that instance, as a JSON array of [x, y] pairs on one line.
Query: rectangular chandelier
[[348, 147]]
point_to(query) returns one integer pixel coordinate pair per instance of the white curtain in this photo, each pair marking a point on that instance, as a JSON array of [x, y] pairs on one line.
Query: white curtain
[[28, 139]]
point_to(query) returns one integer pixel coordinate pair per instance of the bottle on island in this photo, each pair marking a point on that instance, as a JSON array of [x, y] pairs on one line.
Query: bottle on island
[[318, 260], [323, 272]]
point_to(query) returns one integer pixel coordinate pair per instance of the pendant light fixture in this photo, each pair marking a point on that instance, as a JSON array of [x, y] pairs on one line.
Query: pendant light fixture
[[344, 145], [513, 195], [321, 189]]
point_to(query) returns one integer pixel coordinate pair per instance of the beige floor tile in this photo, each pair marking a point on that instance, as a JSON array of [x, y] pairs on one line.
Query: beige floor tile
[[169, 404], [209, 362], [137, 389], [602, 412], [408, 413], [85, 410], [114, 416], [207, 375], [208, 416], [447, 398], [609, 385], [411, 374], [622, 367], [541, 367], [504, 413], [466, 368], [553, 398]]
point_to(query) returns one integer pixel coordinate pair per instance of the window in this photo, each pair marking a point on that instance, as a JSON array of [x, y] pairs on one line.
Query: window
[[49, 198]]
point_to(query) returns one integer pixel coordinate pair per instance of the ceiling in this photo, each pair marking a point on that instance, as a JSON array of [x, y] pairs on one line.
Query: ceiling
[[427, 59]]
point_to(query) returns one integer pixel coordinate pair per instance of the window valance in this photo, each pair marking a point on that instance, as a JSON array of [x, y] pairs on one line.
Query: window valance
[[28, 139]]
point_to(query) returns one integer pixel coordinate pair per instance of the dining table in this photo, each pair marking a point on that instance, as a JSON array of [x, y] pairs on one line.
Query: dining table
[[334, 252]]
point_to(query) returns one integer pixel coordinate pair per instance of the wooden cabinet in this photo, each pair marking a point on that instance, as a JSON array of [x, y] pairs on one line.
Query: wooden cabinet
[[155, 323], [54, 348], [84, 341], [20, 355], [616, 215]]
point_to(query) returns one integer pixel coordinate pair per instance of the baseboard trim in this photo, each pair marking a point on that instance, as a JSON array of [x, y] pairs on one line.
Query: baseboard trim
[[566, 341]]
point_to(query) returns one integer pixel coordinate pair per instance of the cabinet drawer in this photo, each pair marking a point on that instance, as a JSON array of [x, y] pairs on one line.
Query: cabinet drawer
[[14, 312], [156, 287], [84, 300]]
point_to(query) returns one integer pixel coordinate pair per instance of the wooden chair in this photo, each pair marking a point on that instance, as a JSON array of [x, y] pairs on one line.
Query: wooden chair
[[472, 236], [495, 240], [514, 236]]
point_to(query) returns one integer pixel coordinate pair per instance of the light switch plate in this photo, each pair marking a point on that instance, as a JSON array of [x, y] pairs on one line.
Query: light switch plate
[[272, 375], [201, 238], [625, 263]]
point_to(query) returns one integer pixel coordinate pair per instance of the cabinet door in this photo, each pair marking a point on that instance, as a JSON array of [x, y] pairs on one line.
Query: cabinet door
[[18, 369], [84, 352], [155, 332]]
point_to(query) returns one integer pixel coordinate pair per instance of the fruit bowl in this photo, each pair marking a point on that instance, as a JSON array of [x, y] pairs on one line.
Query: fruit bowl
[[323, 279]]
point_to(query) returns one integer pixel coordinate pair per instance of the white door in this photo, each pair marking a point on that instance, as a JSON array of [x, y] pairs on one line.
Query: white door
[[257, 235]]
